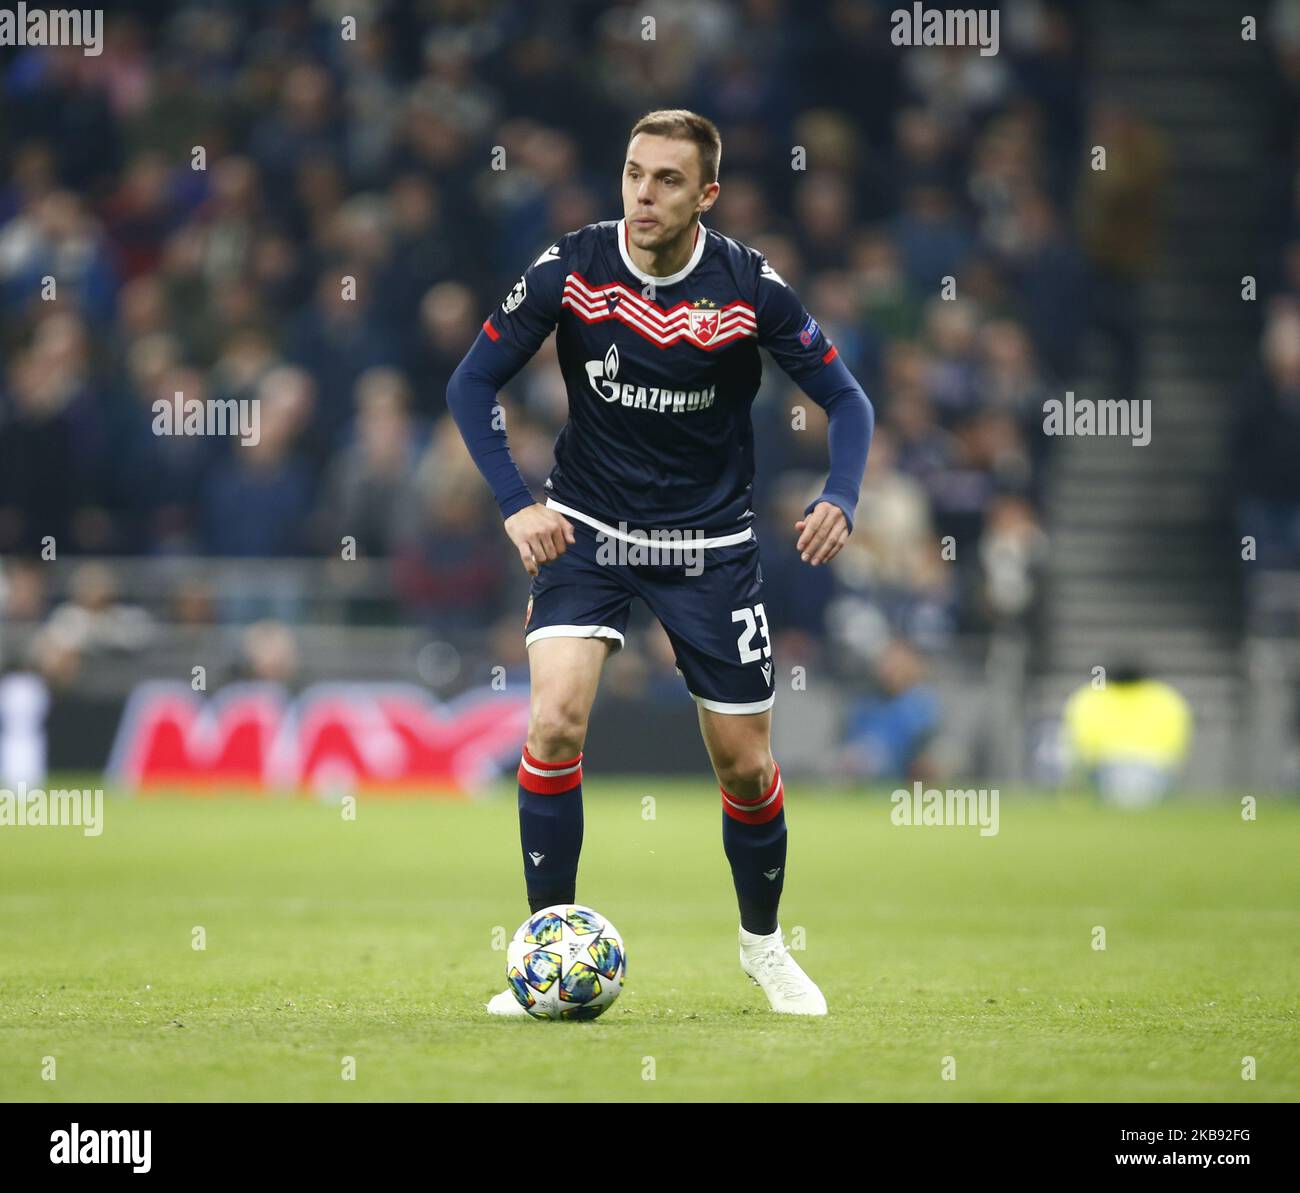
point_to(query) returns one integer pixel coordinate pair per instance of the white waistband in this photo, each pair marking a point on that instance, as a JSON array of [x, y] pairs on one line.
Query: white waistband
[[649, 539]]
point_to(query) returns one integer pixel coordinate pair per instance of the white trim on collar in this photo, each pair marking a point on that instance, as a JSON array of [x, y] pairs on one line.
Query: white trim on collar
[[701, 238]]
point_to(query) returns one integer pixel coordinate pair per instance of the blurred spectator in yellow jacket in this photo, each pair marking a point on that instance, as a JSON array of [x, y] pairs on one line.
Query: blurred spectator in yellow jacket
[[1130, 735]]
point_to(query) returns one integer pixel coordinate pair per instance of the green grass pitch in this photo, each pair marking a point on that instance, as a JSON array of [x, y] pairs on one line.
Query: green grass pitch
[[374, 939]]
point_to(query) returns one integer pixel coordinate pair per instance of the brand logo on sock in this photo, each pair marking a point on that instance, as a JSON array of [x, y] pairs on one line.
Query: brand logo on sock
[[537, 858], [770, 875]]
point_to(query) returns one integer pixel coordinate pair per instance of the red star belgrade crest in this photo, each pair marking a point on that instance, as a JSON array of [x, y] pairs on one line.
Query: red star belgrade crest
[[703, 326]]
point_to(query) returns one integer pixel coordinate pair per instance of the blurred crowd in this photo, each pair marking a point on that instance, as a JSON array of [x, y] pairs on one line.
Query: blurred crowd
[[1267, 428], [372, 159]]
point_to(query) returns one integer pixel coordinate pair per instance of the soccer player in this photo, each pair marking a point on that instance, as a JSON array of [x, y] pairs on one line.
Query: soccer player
[[658, 323]]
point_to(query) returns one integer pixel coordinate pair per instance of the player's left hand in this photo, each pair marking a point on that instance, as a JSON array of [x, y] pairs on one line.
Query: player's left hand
[[823, 533]]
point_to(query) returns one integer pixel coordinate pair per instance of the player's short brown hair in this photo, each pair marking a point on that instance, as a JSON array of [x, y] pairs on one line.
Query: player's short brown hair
[[682, 125]]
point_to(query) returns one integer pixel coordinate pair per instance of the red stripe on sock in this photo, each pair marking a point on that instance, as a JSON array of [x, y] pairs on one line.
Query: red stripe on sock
[[549, 784], [759, 815], [528, 757]]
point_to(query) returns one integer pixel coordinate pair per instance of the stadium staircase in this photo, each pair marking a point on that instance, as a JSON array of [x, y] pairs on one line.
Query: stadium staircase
[[1143, 555]]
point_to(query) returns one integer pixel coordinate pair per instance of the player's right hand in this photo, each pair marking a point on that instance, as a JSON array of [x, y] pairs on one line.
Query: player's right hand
[[541, 535]]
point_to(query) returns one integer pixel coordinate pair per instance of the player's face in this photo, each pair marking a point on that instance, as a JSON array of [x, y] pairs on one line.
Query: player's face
[[662, 189]]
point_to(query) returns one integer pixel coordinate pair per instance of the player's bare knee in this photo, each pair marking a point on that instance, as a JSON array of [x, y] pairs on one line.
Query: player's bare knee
[[747, 776], [556, 733]]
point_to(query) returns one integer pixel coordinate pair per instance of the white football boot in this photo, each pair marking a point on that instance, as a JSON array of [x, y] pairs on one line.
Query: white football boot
[[789, 990], [506, 1003]]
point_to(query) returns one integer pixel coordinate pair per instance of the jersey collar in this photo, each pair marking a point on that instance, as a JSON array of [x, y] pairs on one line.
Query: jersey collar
[[701, 238]]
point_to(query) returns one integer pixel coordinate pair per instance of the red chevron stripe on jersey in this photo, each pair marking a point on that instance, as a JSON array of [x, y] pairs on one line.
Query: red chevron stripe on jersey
[[663, 328]]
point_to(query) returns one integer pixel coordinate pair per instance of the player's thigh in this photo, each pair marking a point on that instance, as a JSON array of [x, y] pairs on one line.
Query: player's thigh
[[577, 614], [564, 675], [737, 743]]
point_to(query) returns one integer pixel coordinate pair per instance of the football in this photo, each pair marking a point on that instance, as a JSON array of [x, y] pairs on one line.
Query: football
[[566, 962]]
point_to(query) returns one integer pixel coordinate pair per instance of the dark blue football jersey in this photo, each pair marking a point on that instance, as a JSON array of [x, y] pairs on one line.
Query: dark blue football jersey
[[661, 374]]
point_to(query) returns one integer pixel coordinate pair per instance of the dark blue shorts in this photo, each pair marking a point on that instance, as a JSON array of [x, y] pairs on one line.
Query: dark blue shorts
[[709, 601]]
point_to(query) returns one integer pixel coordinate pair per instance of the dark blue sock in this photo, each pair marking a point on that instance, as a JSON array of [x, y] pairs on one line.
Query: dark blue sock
[[754, 838], [550, 828]]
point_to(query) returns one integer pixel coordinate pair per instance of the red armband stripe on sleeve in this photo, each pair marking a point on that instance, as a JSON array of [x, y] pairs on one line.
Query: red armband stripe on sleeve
[[492, 333]]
